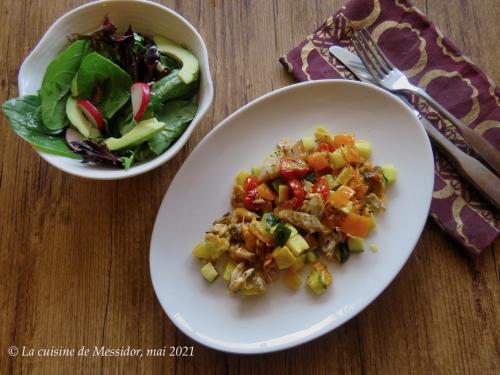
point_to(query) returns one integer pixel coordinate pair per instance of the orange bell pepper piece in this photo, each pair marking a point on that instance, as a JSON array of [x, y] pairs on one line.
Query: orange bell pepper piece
[[343, 140], [341, 197], [356, 225], [319, 161], [351, 155], [265, 192]]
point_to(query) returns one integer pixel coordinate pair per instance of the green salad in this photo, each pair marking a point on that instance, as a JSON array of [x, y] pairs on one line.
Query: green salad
[[109, 98]]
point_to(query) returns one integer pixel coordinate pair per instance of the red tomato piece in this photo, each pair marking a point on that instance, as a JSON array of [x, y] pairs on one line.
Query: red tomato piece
[[293, 168], [321, 186], [251, 183], [298, 192], [250, 188], [323, 146]]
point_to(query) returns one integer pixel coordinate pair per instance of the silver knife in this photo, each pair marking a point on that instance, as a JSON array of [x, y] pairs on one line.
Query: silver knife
[[485, 181]]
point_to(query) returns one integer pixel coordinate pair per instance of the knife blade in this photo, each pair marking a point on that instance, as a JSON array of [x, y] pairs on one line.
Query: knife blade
[[478, 175]]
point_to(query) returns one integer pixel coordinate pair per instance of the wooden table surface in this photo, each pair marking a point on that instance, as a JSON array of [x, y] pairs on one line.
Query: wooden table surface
[[74, 253]]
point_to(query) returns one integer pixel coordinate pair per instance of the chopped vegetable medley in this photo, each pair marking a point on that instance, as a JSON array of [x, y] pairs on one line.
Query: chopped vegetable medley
[[308, 203]]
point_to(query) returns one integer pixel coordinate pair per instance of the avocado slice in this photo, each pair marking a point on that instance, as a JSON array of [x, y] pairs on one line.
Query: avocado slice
[[140, 133], [78, 120], [190, 66]]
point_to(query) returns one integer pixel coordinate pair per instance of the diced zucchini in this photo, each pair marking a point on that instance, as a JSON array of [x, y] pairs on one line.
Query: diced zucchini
[[216, 245], [281, 233], [275, 184], [364, 148], [209, 272], [241, 177], [332, 182], [228, 270], [373, 222], [319, 279], [283, 257], [292, 280], [373, 248], [300, 262], [251, 290], [309, 143], [255, 170], [312, 256], [355, 244], [245, 214], [323, 135], [283, 193], [297, 244], [269, 220], [344, 176], [314, 282], [293, 231], [337, 158], [390, 173], [342, 253], [310, 177], [347, 208], [202, 251]]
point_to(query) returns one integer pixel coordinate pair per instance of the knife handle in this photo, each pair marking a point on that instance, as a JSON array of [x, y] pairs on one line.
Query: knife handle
[[485, 181]]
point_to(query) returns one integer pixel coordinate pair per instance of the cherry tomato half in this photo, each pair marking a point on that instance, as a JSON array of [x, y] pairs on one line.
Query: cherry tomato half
[[323, 146], [321, 186], [250, 191], [293, 168], [298, 192]]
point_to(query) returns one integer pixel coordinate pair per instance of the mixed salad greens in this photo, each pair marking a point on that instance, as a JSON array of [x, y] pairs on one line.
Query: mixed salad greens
[[312, 199], [110, 99]]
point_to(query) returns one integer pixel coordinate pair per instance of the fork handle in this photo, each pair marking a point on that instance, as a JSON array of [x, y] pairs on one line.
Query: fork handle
[[471, 169], [478, 143]]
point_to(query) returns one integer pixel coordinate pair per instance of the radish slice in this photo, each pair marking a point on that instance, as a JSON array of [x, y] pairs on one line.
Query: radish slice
[[91, 113], [140, 94]]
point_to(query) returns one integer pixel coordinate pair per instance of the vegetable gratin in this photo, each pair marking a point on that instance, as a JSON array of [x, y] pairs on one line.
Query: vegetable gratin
[[308, 203]]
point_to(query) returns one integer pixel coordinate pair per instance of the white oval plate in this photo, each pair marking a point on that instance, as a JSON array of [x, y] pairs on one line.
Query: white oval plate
[[201, 193]]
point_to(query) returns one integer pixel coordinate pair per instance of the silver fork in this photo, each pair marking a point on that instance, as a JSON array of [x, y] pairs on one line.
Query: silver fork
[[392, 79]]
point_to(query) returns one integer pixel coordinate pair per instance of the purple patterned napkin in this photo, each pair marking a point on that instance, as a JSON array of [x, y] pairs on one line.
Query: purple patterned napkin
[[431, 61]]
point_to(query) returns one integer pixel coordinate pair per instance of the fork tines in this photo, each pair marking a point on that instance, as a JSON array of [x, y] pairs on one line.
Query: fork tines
[[375, 60]]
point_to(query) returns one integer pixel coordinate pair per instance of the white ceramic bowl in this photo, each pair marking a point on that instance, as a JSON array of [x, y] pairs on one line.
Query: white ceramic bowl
[[201, 190], [145, 17]]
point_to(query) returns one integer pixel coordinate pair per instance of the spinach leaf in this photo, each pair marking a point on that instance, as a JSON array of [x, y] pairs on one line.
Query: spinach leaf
[[25, 119], [121, 119], [96, 70], [169, 88], [177, 116], [57, 83]]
